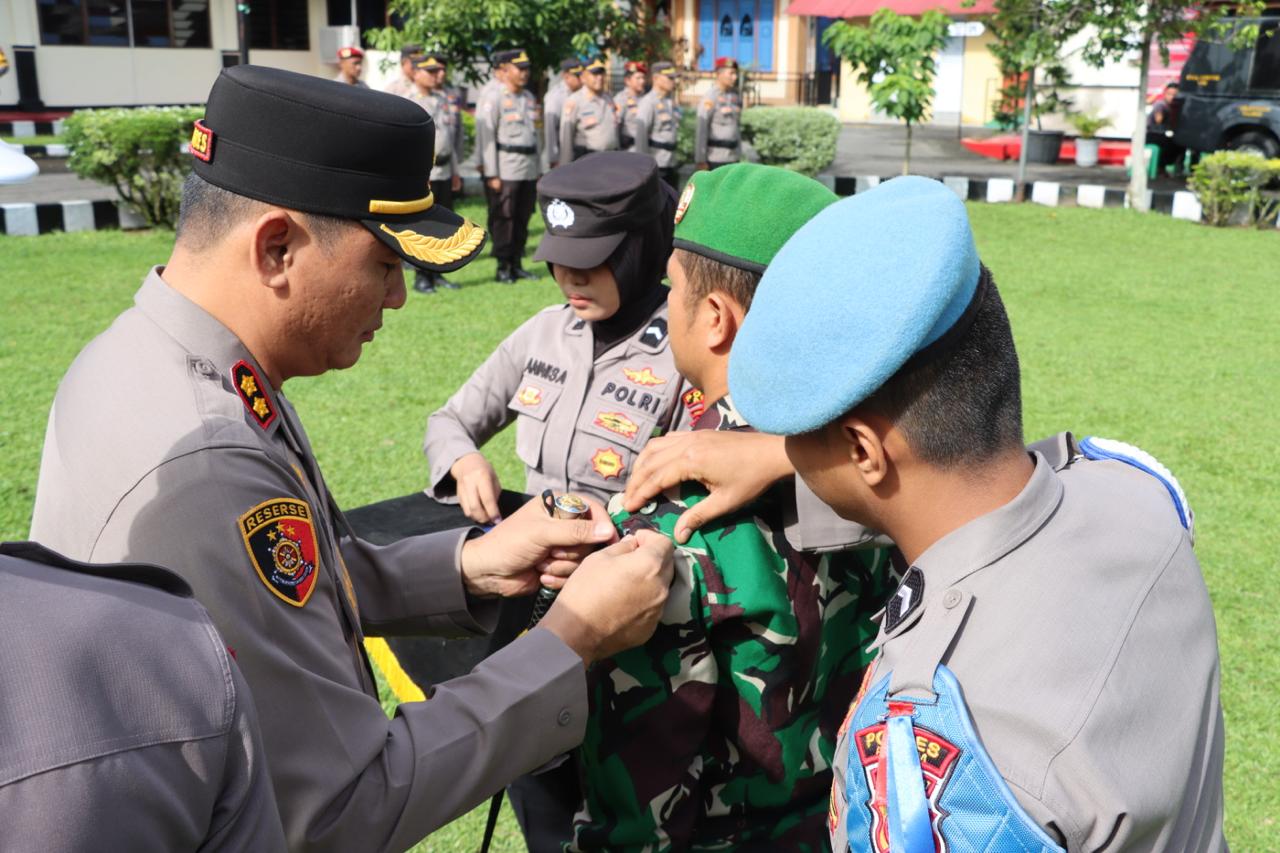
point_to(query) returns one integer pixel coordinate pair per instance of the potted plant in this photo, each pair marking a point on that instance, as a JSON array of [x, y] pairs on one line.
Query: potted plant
[[1087, 127]]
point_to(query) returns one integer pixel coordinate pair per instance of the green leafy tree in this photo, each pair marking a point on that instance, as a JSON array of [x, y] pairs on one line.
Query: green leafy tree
[[1126, 25], [894, 56], [467, 32]]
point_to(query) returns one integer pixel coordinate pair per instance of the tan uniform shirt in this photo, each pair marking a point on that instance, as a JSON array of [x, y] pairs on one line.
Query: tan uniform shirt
[[658, 128], [589, 121], [719, 131], [445, 115], [580, 422], [489, 90], [552, 108], [339, 78], [511, 140], [402, 86], [626, 104], [166, 444], [126, 724], [1077, 623]]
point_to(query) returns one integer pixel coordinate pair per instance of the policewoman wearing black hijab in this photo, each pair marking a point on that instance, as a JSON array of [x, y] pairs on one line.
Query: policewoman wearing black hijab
[[587, 382]]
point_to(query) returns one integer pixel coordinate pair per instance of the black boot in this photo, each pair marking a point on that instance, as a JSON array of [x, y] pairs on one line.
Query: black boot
[[519, 272], [423, 283], [505, 273], [441, 281]]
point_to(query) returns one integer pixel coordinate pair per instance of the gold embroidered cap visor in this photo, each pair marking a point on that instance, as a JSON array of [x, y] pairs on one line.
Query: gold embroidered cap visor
[[320, 147]]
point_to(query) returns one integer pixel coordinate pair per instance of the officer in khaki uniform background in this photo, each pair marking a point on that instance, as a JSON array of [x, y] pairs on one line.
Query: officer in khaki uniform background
[[138, 732], [430, 94], [403, 85], [511, 160], [658, 123], [718, 136], [1048, 674], [635, 82], [569, 82], [171, 441], [590, 119]]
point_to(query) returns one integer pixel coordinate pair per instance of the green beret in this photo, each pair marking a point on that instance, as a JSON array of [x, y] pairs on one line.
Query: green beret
[[741, 214]]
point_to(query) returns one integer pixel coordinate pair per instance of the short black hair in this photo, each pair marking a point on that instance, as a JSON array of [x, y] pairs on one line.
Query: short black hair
[[964, 405], [208, 212], [706, 275]]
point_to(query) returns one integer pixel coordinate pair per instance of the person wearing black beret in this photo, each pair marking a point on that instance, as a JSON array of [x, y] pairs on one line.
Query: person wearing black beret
[[171, 441]]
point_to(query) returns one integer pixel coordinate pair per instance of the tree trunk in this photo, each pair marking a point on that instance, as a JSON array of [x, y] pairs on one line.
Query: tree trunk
[[906, 160], [1138, 144], [1019, 189]]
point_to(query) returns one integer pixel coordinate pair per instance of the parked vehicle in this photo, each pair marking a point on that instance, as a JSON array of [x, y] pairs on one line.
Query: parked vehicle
[[1231, 98]]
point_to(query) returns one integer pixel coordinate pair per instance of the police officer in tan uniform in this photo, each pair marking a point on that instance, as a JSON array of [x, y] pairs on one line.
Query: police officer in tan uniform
[[1048, 673], [430, 94], [287, 253], [553, 108], [718, 136], [511, 158], [626, 103], [127, 724], [590, 121], [586, 383], [658, 123], [403, 85], [350, 67]]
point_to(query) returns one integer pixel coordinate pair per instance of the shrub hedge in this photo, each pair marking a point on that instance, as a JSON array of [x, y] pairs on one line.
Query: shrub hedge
[[1231, 181]]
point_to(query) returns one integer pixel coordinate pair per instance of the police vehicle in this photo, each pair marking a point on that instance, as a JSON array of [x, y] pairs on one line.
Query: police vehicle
[[1231, 98]]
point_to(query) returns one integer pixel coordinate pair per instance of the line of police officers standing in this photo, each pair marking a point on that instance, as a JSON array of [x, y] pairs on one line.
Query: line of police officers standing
[[577, 117]]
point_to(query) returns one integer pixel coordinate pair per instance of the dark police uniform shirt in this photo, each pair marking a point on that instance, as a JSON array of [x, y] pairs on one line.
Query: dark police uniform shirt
[[580, 422], [126, 724], [1077, 623], [167, 444]]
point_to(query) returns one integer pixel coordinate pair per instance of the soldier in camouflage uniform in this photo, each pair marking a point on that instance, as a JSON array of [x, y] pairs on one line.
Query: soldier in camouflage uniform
[[719, 732]]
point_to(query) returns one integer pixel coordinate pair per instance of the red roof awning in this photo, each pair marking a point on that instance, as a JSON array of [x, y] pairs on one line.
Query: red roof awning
[[864, 8]]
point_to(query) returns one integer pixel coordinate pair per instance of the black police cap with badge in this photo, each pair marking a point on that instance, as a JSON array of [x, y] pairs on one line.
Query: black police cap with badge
[[321, 147], [592, 203]]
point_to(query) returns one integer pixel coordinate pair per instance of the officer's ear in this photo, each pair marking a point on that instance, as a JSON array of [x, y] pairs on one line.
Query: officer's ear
[[723, 317], [869, 441], [271, 253]]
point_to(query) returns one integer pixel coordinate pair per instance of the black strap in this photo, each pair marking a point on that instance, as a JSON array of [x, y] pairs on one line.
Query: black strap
[[712, 143], [665, 146], [517, 149], [491, 823], [440, 161], [580, 151], [626, 141]]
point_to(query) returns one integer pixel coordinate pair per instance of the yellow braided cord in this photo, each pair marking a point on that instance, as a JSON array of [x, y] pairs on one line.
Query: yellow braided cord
[[397, 679]]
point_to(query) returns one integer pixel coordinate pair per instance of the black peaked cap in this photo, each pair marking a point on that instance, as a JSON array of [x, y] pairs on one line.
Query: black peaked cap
[[590, 204], [323, 147]]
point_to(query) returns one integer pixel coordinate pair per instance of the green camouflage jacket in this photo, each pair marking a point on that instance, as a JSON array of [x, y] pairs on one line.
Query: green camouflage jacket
[[718, 733]]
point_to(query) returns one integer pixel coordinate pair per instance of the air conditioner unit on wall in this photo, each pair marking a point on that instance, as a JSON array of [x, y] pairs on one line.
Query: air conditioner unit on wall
[[332, 38]]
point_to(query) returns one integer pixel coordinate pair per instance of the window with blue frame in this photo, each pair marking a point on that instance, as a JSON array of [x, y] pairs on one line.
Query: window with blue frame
[[742, 29]]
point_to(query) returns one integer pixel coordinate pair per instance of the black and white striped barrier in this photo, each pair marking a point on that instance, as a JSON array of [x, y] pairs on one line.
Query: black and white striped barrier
[[25, 219], [1180, 204], [31, 128], [45, 152]]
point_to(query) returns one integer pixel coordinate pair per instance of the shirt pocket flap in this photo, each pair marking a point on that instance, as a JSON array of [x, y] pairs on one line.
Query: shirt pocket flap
[[535, 398]]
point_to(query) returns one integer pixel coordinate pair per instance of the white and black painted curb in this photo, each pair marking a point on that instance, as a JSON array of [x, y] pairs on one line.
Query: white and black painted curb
[[31, 128], [46, 152], [1180, 204], [25, 219]]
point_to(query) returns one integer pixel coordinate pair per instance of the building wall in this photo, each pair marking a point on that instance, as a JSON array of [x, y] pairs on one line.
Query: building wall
[[121, 76], [790, 52]]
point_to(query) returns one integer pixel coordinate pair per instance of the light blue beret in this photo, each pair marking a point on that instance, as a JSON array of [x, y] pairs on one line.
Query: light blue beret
[[861, 288]]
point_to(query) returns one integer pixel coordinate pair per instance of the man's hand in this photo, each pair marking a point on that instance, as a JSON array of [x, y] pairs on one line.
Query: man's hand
[[612, 603], [531, 549], [478, 487], [455, 182], [714, 459], [495, 184]]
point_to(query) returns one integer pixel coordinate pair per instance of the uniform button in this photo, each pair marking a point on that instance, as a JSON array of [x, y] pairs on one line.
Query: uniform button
[[951, 599], [564, 717]]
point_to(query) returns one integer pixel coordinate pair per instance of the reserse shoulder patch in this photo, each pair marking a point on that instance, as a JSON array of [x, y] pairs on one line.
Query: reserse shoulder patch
[[280, 537]]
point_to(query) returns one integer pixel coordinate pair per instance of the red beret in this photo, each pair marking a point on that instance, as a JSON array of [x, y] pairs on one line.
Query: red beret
[[349, 52], [726, 62], [635, 66]]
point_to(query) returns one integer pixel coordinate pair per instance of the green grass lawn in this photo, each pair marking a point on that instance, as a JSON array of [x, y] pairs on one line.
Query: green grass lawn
[[1155, 331], [33, 140]]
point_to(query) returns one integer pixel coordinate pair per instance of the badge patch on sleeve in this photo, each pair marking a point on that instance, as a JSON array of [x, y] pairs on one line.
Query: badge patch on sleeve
[[280, 537]]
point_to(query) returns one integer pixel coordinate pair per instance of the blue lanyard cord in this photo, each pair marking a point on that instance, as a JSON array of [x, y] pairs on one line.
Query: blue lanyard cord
[[910, 830]]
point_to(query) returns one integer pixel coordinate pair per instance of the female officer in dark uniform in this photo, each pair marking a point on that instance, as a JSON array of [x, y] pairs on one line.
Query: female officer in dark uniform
[[587, 382]]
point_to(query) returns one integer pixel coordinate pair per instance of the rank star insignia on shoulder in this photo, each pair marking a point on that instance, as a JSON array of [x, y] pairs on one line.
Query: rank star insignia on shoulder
[[249, 388]]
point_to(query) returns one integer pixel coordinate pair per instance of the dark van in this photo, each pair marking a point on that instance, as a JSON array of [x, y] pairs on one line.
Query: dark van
[[1231, 98]]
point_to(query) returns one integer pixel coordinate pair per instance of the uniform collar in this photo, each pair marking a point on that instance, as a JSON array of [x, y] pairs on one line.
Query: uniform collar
[[214, 349], [722, 415], [984, 541]]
